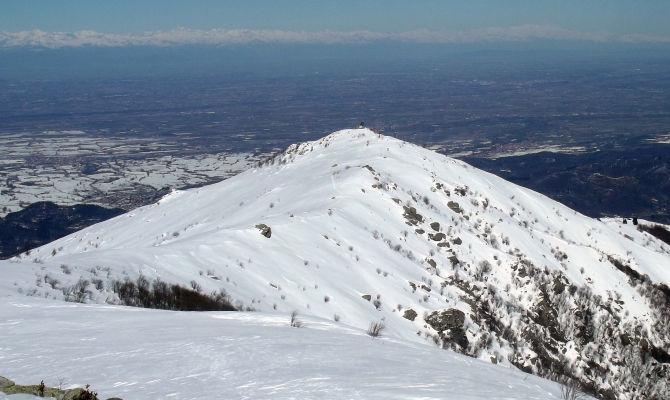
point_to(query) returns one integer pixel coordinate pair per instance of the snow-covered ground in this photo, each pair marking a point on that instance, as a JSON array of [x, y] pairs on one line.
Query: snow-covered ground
[[71, 167], [150, 354], [367, 228]]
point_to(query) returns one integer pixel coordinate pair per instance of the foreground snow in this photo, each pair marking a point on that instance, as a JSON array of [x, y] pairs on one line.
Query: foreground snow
[[149, 354]]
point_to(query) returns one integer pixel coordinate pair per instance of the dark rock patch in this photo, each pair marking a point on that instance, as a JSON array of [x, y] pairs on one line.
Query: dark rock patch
[[411, 216], [455, 206], [439, 236], [265, 230], [409, 314], [446, 319]]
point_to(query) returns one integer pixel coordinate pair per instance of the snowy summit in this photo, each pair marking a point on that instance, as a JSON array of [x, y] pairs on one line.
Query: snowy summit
[[351, 230]]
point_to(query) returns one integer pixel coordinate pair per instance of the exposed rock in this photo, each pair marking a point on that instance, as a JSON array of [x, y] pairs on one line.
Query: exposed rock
[[411, 216], [449, 326], [9, 387], [366, 297], [435, 226], [409, 314], [559, 285], [456, 335], [265, 230], [455, 206], [451, 322], [439, 236], [456, 241], [446, 319], [4, 382]]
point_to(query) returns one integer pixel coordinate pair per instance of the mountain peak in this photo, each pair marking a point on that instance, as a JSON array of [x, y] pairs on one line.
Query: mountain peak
[[361, 227]]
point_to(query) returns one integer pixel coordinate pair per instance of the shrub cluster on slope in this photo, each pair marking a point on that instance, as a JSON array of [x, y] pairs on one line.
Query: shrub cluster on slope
[[657, 230], [162, 295]]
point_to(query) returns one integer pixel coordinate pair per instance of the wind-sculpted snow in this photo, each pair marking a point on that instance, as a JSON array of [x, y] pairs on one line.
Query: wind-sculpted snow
[[365, 228], [149, 354]]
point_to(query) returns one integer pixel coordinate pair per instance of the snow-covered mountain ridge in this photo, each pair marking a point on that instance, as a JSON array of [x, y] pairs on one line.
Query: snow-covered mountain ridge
[[363, 228]]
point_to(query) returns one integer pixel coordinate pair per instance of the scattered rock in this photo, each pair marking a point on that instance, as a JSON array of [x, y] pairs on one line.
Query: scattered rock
[[411, 216], [457, 241], [439, 236], [455, 206], [265, 230], [409, 314], [367, 297], [435, 226]]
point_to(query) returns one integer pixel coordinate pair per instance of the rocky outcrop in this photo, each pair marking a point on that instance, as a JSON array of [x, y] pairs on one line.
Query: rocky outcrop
[[409, 314], [449, 326], [411, 216], [439, 236], [455, 206], [8, 386]]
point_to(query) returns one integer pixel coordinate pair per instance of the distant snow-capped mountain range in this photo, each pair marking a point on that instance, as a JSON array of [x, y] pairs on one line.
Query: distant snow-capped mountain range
[[359, 228]]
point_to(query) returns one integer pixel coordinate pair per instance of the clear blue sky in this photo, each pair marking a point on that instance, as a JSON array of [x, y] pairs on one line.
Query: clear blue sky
[[649, 17]]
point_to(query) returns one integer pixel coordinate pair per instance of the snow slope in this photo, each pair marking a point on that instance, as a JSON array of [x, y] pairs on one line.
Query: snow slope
[[151, 354], [365, 227]]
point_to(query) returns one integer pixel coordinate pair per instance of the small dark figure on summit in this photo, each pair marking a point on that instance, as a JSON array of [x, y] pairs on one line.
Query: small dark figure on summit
[[361, 125]]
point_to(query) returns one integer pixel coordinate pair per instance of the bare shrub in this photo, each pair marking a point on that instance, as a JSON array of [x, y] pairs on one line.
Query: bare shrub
[[78, 292], [570, 390], [295, 322], [163, 295], [375, 329]]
